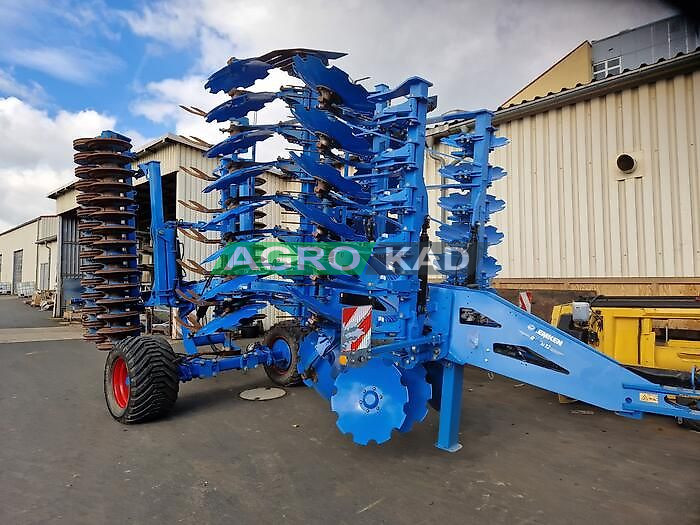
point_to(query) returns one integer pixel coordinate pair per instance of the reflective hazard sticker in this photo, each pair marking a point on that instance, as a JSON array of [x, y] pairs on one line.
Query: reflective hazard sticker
[[357, 328], [648, 397]]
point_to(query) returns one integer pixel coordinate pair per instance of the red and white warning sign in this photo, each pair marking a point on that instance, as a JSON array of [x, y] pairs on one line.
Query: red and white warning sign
[[356, 333], [525, 301]]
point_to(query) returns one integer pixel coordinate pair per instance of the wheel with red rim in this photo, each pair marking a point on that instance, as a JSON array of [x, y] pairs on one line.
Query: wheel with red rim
[[283, 339], [120, 382], [141, 379]]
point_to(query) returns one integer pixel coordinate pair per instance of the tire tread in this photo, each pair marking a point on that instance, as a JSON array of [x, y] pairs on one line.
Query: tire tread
[[291, 331], [154, 378]]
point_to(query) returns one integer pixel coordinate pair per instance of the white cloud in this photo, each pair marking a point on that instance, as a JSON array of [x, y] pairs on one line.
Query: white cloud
[[24, 193], [31, 92], [70, 63], [176, 28], [159, 102], [137, 139], [476, 53], [36, 155], [32, 20], [29, 137], [86, 15]]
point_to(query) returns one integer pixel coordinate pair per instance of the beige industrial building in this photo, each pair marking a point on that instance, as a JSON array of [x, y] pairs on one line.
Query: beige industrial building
[[603, 191], [27, 256]]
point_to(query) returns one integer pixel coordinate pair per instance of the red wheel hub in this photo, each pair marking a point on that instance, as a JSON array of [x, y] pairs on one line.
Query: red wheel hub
[[120, 382]]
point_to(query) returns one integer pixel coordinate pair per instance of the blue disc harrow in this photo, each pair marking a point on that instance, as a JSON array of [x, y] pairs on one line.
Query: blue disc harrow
[[383, 344]]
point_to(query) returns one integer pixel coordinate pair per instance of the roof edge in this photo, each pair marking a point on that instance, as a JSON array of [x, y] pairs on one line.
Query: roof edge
[[22, 225], [54, 194], [630, 29], [646, 74], [150, 147], [541, 75], [598, 88], [158, 143]]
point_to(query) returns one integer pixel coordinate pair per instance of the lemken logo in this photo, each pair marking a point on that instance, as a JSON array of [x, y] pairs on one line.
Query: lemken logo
[[549, 337]]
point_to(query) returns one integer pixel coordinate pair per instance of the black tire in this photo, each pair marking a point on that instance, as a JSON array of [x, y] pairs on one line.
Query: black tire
[[154, 381], [290, 332]]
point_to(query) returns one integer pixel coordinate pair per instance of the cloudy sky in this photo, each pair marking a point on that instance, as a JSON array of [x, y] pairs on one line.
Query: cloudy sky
[[73, 68]]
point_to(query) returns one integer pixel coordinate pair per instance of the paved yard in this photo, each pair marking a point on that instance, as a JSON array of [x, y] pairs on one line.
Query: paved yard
[[219, 459], [16, 314]]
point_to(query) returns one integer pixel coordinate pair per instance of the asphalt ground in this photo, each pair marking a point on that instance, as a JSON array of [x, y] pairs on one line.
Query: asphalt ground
[[220, 459], [15, 314]]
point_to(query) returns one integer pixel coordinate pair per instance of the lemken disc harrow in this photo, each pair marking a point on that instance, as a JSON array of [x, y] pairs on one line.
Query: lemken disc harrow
[[380, 344]]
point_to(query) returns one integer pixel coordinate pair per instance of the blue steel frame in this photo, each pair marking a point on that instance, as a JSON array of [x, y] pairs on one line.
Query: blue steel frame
[[361, 172], [571, 367]]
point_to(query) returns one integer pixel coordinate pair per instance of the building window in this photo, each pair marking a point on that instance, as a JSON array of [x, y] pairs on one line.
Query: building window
[[44, 276], [611, 66]]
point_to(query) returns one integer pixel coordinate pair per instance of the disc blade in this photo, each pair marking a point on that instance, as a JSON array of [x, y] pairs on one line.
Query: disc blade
[[419, 392], [369, 401], [318, 361], [434, 377]]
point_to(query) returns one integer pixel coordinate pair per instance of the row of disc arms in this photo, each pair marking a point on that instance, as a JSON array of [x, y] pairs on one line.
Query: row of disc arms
[[355, 155], [354, 159]]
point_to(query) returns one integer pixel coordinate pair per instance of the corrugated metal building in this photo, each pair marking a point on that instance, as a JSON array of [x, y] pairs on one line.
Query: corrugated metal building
[[173, 152], [603, 191], [27, 256]]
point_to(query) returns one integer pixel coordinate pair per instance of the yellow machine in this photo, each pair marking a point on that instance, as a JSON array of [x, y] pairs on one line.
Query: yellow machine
[[655, 336]]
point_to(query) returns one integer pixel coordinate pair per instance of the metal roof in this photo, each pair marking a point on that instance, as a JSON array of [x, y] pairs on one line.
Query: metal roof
[[26, 223], [681, 63], [150, 147], [170, 138]]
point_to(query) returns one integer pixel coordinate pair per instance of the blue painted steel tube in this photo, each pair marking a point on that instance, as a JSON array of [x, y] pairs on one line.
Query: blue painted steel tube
[[165, 273], [450, 407], [200, 367], [211, 339], [526, 348]]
